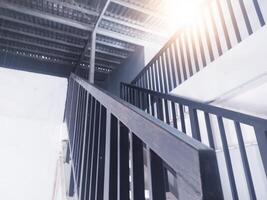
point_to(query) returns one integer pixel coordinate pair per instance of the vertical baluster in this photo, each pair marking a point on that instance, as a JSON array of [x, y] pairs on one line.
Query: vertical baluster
[[89, 158], [174, 80], [178, 64], [123, 162], [209, 130], [149, 78], [137, 168], [145, 79], [164, 72], [194, 124], [187, 53], [159, 109], [244, 159], [174, 116], [226, 34], [194, 50], [227, 159], [153, 85], [259, 13], [182, 57], [86, 144], [161, 89], [215, 30], [261, 135], [167, 115], [113, 161], [147, 106], [168, 69], [94, 155], [152, 100], [108, 164], [101, 155], [156, 173], [156, 76], [181, 113]]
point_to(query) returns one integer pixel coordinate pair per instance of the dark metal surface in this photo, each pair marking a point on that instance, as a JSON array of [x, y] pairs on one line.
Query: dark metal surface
[[59, 31], [195, 109], [126, 131]]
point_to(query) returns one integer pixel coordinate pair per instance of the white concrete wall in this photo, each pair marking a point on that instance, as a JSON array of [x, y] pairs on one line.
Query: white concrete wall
[[31, 113], [238, 81]]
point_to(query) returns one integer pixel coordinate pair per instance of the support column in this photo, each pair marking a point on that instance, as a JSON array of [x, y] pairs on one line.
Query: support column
[[92, 58]]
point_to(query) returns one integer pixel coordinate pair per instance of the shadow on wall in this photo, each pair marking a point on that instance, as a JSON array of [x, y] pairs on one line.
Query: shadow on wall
[[125, 72]]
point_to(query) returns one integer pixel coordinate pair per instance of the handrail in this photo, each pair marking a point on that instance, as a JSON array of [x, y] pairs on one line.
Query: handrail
[[192, 48], [103, 128], [173, 111], [194, 104]]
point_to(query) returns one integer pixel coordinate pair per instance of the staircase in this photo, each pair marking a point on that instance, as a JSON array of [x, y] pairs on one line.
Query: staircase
[[117, 151], [151, 144]]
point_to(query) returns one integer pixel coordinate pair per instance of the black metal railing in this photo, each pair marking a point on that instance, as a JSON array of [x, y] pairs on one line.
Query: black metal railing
[[119, 152], [221, 25], [207, 123]]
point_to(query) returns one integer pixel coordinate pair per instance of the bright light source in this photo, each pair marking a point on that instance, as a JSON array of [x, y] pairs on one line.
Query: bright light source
[[183, 12]]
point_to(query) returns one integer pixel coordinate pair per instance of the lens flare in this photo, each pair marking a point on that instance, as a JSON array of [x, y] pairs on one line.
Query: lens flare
[[182, 13]]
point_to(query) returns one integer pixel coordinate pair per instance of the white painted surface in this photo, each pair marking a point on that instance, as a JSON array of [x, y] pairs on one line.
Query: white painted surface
[[240, 73], [238, 81], [31, 113]]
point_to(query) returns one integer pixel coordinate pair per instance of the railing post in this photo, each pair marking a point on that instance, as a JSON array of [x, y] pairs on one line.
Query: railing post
[[157, 177], [137, 168], [194, 124], [123, 163], [107, 156], [261, 135]]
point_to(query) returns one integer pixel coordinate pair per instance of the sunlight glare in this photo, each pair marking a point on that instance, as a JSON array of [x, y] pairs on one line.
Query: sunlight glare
[[183, 13]]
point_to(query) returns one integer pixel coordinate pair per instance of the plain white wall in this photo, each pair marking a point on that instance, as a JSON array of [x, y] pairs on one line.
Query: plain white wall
[[31, 113]]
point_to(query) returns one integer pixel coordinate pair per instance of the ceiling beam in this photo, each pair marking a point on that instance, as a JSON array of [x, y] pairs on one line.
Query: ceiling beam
[[41, 53], [122, 37], [108, 44], [46, 16], [97, 58], [135, 26], [52, 30], [41, 37], [109, 53], [75, 6], [75, 53], [45, 28], [144, 10], [14, 52]]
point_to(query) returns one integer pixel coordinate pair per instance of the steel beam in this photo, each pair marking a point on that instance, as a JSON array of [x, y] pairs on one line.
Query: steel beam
[[46, 16], [92, 57], [75, 6], [122, 37], [41, 37], [92, 38], [32, 57], [114, 46], [17, 48], [75, 53], [103, 59], [45, 28], [144, 10], [109, 53], [52, 30], [134, 26]]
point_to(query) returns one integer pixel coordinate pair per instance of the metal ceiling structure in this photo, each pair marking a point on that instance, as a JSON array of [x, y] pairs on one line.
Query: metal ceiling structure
[[60, 31]]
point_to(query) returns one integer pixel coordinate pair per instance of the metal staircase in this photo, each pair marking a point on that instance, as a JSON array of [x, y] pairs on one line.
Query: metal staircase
[[211, 125], [119, 152]]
